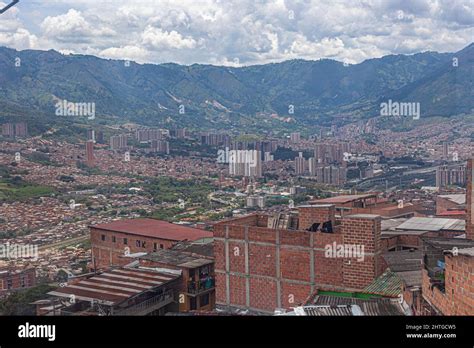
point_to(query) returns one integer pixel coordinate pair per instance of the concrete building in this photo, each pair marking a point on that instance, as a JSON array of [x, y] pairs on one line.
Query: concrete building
[[450, 175], [300, 164], [119, 142]]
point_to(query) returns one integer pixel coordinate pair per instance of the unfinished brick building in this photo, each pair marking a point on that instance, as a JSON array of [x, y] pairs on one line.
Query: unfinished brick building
[[268, 262]]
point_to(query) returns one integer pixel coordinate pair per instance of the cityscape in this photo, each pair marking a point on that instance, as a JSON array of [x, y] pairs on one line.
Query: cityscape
[[306, 186]]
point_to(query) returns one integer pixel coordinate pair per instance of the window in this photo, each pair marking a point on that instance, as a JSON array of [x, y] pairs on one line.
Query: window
[[22, 281], [192, 304], [113, 239], [125, 241], [155, 246], [162, 246], [9, 283], [138, 243], [102, 237], [204, 300]]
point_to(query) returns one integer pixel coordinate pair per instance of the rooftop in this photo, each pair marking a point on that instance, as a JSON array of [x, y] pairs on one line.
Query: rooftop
[[403, 260], [411, 278], [177, 258], [432, 224], [456, 198], [114, 286], [388, 284], [324, 305], [155, 229], [344, 198]]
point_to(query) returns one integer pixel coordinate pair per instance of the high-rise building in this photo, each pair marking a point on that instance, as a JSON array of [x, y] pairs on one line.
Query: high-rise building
[[245, 163], [295, 137], [12, 130], [300, 164], [8, 130], [268, 157], [91, 135], [331, 175], [255, 201], [100, 137], [21, 129], [118, 142], [312, 164], [445, 150], [161, 146], [331, 153], [148, 134], [179, 133], [450, 175], [90, 160]]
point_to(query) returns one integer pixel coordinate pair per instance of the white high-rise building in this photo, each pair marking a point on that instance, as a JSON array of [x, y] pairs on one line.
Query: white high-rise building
[[245, 163]]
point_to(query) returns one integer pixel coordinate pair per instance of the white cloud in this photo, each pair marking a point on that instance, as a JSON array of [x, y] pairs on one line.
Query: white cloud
[[247, 31], [158, 38]]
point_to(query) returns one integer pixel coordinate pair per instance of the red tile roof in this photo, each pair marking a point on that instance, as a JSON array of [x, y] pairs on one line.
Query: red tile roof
[[155, 229]]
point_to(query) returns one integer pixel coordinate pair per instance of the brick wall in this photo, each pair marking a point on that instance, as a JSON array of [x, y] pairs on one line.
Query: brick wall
[[10, 281], [264, 269], [443, 205], [363, 230], [458, 298], [470, 200], [107, 252], [311, 214]]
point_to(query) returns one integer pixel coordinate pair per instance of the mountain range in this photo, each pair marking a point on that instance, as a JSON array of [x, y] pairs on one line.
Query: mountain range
[[294, 93]]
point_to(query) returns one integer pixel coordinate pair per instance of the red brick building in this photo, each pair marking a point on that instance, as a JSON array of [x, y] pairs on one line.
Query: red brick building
[[16, 279], [470, 200], [452, 206], [268, 262], [450, 291], [109, 242]]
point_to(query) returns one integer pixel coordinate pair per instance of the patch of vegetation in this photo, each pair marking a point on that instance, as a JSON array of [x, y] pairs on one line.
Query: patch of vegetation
[[18, 303]]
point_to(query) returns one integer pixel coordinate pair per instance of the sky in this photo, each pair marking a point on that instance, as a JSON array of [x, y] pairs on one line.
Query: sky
[[238, 32]]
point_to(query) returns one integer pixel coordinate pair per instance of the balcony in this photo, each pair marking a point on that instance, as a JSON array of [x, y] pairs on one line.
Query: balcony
[[203, 285]]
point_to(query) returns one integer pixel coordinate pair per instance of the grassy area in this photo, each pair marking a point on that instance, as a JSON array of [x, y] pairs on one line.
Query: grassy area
[[9, 192], [13, 188], [166, 189]]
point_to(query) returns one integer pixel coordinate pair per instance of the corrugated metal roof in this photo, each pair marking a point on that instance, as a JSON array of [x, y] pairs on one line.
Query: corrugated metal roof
[[336, 305], [328, 310], [388, 284], [404, 260], [411, 278], [114, 286], [457, 198], [432, 224]]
